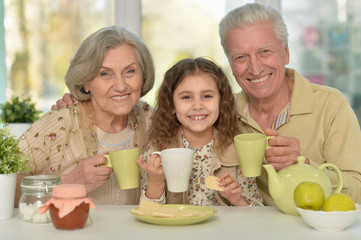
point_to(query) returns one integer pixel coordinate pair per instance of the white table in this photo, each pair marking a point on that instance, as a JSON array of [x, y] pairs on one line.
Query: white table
[[115, 222]]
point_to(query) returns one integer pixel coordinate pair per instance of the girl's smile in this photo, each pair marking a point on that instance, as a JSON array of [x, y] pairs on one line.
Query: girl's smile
[[198, 117]]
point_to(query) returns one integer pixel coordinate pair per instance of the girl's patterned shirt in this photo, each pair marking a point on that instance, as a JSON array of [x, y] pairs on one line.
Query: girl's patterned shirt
[[198, 193]]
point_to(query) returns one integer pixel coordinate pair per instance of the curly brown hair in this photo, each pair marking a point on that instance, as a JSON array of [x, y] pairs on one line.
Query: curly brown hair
[[165, 124]]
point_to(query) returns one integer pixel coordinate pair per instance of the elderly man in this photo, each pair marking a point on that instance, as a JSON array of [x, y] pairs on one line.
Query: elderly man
[[310, 120]]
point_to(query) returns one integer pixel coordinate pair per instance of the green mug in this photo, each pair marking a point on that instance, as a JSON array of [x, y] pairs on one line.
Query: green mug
[[125, 167], [250, 149]]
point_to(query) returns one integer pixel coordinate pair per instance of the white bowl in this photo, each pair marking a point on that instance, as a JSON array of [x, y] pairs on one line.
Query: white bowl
[[329, 221]]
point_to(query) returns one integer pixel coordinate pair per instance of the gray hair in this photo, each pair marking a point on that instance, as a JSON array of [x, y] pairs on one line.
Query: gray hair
[[253, 13], [87, 61]]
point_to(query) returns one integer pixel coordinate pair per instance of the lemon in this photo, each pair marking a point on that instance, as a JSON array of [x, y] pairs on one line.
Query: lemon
[[339, 202], [309, 195]]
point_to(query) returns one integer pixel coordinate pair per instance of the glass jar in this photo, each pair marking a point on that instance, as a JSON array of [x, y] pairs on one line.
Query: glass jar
[[35, 191]]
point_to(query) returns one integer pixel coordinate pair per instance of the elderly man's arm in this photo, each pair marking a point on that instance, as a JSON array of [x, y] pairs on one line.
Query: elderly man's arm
[[343, 149], [341, 146]]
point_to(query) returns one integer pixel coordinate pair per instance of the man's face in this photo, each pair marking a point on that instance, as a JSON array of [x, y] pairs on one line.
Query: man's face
[[257, 60]]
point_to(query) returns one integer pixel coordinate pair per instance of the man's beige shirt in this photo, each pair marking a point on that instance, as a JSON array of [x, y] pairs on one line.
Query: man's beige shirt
[[327, 127]]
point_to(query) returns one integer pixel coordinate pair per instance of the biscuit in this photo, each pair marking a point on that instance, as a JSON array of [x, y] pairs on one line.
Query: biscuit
[[212, 183], [152, 209], [148, 207]]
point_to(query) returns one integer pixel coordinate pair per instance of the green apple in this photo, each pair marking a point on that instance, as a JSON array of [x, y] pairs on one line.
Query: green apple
[[309, 195]]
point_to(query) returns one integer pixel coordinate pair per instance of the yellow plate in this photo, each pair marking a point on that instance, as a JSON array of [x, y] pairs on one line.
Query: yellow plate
[[178, 220]]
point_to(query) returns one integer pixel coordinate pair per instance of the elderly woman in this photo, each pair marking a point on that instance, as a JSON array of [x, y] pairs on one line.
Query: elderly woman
[[109, 73]]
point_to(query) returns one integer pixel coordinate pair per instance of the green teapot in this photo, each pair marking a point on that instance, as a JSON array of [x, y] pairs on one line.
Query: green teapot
[[281, 185]]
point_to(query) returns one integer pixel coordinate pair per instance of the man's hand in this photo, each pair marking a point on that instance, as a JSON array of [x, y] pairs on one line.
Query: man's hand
[[284, 150], [65, 101]]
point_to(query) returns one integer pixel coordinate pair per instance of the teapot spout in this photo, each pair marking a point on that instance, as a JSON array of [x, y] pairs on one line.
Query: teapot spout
[[275, 185]]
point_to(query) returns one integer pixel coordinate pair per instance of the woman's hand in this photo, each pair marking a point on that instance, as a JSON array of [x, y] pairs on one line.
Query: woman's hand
[[284, 150], [155, 173], [232, 190], [65, 101], [89, 173]]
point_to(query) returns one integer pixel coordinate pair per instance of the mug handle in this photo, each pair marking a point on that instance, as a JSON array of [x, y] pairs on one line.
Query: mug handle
[[338, 173], [158, 154], [109, 163], [268, 138]]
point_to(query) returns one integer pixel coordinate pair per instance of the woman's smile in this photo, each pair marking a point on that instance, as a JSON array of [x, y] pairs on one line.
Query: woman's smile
[[121, 97]]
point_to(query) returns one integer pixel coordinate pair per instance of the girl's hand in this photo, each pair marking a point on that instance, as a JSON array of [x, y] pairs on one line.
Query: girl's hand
[[232, 190], [88, 173], [155, 173]]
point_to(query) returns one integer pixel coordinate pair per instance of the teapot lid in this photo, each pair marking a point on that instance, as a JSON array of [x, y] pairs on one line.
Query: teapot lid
[[301, 160]]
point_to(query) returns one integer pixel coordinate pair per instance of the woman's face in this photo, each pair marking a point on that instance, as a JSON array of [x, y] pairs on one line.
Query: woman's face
[[196, 102], [117, 87]]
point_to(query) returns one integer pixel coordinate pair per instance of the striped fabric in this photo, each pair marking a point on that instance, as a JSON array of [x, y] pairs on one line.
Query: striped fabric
[[282, 118]]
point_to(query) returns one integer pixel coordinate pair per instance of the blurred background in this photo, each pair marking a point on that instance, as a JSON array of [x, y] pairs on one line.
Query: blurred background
[[39, 37]]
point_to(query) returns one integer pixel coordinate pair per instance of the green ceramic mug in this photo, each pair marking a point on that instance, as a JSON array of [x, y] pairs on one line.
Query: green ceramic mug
[[125, 167], [250, 149]]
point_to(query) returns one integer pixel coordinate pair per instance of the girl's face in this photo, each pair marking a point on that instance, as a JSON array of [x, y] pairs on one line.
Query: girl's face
[[196, 102]]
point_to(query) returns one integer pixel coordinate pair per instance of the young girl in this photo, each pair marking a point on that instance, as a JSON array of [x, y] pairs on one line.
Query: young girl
[[196, 110]]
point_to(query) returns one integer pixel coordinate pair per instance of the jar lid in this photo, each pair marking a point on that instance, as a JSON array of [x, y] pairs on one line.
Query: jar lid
[[69, 191], [40, 182]]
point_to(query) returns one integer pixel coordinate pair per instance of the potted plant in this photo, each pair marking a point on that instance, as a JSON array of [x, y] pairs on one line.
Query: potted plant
[[12, 161], [19, 113]]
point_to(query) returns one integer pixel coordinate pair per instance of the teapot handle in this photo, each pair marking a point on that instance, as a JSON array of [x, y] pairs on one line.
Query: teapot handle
[[338, 173]]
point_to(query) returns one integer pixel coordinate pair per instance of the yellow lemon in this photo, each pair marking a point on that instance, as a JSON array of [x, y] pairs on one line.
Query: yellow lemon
[[309, 195], [339, 202]]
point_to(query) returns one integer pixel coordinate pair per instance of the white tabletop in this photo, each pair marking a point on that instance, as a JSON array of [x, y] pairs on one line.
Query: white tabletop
[[115, 222]]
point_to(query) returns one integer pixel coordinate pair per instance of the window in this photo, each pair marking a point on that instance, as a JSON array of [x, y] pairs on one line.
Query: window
[[41, 36], [181, 29], [325, 44]]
